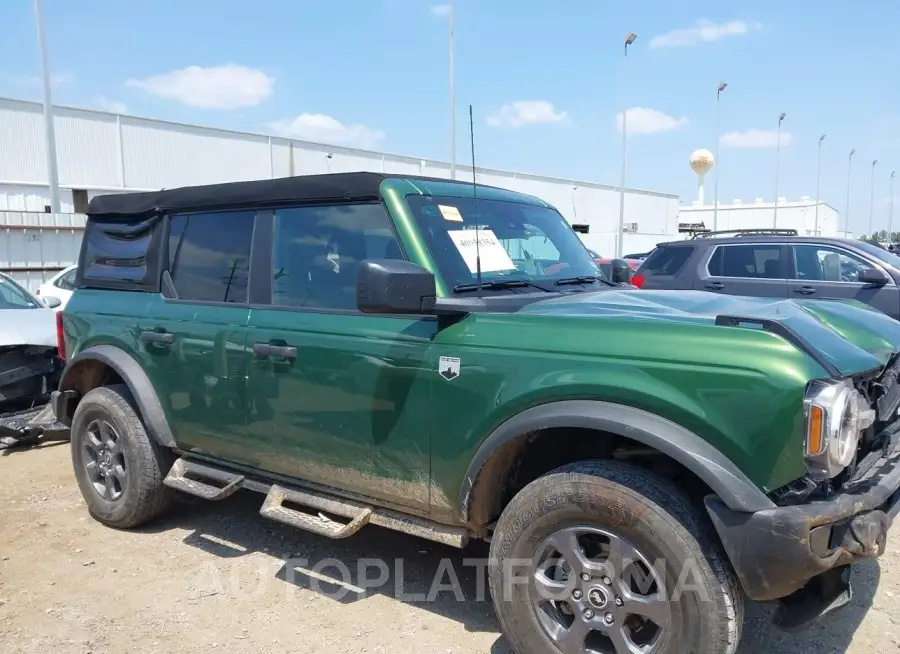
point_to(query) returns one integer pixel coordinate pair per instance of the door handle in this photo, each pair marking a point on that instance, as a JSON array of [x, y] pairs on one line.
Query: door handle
[[805, 290], [715, 286], [163, 338], [273, 350]]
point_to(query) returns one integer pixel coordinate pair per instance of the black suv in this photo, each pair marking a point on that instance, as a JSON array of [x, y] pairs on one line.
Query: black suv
[[776, 263]]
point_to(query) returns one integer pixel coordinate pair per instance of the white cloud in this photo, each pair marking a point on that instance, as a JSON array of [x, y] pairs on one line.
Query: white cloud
[[643, 120], [325, 129], [527, 112], [218, 87], [112, 106], [704, 31], [755, 138], [440, 10]]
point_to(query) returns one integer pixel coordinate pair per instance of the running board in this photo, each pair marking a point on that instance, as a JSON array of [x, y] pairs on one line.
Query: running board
[[177, 479], [359, 514], [273, 509]]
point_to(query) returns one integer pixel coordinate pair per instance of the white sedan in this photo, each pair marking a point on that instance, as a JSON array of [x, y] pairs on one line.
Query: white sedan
[[60, 286]]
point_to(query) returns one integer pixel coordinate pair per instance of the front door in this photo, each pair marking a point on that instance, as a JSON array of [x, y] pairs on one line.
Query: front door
[[755, 269], [337, 397], [825, 271], [193, 341]]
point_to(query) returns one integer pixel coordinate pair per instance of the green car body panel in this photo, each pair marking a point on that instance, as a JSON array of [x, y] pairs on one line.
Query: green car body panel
[[366, 412]]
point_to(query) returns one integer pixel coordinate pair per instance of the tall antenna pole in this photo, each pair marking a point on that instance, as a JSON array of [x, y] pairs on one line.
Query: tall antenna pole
[[620, 237], [777, 166], [818, 180], [452, 90], [872, 198], [49, 134], [849, 185], [722, 86]]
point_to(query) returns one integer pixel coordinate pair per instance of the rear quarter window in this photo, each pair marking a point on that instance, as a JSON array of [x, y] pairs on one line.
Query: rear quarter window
[[120, 255], [666, 260]]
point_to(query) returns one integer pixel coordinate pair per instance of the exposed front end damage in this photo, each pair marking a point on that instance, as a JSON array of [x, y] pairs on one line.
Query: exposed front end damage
[[28, 373]]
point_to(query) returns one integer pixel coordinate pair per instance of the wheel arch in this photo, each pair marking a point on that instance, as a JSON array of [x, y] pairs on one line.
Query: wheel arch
[[99, 365], [498, 453]]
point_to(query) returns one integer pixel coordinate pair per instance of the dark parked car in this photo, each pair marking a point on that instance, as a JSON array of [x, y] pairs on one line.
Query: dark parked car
[[778, 264]]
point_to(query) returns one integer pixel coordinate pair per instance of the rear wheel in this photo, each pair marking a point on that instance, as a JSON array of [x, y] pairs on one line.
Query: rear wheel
[[607, 558], [118, 466]]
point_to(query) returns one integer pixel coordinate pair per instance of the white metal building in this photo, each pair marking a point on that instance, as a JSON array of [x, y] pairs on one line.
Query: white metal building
[[101, 152], [799, 215]]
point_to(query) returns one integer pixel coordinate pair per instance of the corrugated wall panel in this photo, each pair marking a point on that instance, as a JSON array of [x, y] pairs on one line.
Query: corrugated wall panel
[[34, 245], [32, 198], [167, 156], [87, 148], [21, 142]]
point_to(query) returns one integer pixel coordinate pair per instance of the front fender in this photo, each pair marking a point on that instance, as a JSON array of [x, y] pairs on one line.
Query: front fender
[[135, 378], [726, 480]]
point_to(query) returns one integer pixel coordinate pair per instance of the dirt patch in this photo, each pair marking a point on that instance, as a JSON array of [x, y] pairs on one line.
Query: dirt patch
[[217, 576]]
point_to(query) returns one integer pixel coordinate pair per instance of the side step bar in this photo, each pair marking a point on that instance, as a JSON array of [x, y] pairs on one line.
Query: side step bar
[[177, 479], [359, 513]]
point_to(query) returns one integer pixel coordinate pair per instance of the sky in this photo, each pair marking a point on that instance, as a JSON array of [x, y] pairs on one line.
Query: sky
[[548, 81]]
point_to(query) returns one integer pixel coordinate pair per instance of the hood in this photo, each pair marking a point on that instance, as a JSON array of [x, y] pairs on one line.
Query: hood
[[847, 337], [27, 327]]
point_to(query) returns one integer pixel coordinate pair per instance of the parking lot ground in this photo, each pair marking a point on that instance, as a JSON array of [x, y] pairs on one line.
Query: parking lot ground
[[217, 576]]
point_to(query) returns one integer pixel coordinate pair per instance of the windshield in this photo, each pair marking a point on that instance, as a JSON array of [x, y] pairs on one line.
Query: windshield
[[880, 253], [515, 241], [13, 296]]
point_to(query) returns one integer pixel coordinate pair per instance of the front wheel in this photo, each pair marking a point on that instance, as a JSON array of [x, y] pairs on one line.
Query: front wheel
[[607, 558]]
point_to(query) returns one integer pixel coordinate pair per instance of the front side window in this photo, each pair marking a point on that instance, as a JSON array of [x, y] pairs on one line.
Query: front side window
[[753, 261], [209, 255], [317, 250], [515, 241], [13, 296], [826, 264]]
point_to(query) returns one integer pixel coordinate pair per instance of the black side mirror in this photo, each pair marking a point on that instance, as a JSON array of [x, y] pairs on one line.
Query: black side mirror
[[872, 276], [621, 271], [394, 286]]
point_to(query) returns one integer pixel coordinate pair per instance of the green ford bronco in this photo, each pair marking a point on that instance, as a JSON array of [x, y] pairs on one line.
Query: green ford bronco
[[446, 360]]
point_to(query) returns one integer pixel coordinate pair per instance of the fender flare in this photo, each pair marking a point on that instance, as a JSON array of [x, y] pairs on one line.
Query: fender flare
[[138, 383], [718, 472]]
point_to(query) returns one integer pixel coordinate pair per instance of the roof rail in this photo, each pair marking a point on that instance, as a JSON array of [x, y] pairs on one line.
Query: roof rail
[[747, 232]]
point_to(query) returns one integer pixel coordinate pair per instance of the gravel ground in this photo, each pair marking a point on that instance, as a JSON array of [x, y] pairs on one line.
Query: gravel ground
[[216, 575]]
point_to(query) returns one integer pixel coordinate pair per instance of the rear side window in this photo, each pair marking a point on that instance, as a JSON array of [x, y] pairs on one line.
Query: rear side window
[[209, 255], [120, 255], [666, 261], [756, 260]]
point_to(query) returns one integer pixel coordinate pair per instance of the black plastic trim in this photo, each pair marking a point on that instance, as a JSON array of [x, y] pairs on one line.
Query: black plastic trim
[[138, 383], [709, 464], [786, 333], [260, 283]]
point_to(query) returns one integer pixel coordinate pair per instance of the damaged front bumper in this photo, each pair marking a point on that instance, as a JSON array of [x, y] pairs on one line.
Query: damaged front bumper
[[784, 551]]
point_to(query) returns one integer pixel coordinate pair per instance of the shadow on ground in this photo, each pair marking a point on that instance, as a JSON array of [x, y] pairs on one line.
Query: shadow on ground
[[446, 581]]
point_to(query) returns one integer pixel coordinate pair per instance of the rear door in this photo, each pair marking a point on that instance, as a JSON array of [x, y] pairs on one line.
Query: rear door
[[192, 339], [828, 271], [755, 269], [665, 268]]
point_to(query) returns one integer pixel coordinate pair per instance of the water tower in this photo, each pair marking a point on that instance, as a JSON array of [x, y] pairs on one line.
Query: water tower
[[702, 161]]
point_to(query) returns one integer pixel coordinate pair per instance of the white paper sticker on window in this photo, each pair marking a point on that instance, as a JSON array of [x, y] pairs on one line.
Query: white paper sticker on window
[[493, 256], [450, 213]]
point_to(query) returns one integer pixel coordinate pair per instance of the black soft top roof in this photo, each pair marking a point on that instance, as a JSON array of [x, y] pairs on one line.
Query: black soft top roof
[[331, 187]]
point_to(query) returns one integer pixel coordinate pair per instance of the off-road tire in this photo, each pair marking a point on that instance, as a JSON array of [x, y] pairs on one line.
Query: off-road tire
[[144, 496], [651, 513]]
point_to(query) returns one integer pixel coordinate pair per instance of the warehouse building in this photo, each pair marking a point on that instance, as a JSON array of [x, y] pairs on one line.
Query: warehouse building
[[101, 152], [806, 216]]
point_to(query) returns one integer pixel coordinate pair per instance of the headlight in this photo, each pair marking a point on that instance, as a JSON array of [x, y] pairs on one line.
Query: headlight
[[832, 411]]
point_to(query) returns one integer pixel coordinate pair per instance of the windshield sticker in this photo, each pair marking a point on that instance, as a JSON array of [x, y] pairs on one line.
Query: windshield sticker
[[494, 257], [450, 213], [448, 367]]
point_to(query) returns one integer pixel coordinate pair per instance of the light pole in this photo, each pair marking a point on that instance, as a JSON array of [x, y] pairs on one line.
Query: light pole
[[872, 198], [777, 164], [49, 134], [818, 180], [891, 210], [629, 39], [849, 180], [453, 92], [722, 86]]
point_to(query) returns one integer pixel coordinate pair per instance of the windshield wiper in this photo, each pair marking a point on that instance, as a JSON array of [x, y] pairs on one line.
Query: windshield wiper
[[583, 279], [497, 284]]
